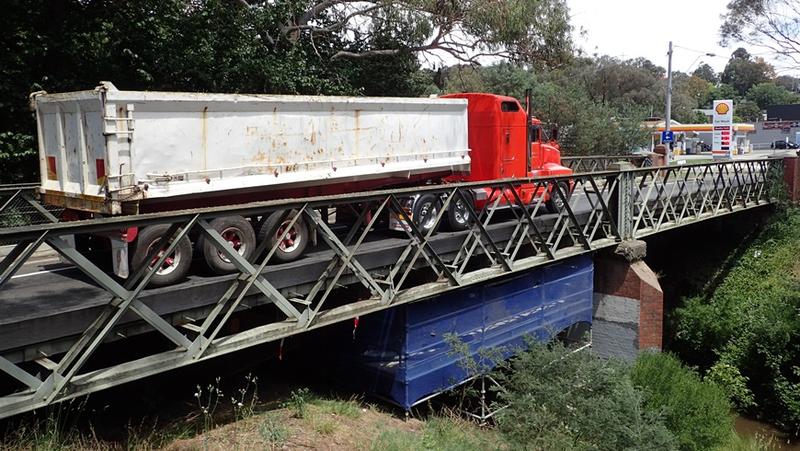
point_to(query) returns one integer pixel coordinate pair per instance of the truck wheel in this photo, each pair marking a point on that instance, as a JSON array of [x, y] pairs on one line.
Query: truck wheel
[[459, 216], [175, 267], [293, 244], [425, 211], [238, 233], [555, 203]]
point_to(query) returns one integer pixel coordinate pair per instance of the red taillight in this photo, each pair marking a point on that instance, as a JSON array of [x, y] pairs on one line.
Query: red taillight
[[52, 174], [100, 168]]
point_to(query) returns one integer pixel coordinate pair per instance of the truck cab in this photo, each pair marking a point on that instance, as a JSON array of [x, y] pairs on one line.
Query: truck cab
[[498, 127]]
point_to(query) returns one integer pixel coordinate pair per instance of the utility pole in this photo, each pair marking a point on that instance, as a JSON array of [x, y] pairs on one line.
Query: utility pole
[[668, 113]]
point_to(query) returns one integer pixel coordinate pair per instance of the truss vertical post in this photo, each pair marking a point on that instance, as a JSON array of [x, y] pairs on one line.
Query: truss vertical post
[[620, 202]]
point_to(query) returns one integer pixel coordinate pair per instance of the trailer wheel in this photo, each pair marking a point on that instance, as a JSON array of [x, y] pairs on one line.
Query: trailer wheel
[[555, 204], [459, 216], [238, 233], [293, 244], [425, 211], [177, 264]]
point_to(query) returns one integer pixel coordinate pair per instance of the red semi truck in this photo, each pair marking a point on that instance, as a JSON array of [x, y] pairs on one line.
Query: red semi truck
[[109, 152]]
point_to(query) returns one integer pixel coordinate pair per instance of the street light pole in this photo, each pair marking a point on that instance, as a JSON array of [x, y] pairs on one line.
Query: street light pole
[[668, 113]]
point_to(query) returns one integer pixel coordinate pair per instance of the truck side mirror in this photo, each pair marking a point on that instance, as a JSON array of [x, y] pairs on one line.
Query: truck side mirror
[[554, 134]]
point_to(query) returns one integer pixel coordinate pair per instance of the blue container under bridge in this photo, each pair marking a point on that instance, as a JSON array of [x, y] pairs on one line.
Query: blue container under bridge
[[403, 354]]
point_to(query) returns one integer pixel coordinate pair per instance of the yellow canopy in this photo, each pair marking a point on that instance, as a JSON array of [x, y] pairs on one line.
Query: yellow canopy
[[746, 128]]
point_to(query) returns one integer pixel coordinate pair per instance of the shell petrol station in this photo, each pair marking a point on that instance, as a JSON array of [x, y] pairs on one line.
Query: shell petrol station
[[691, 139]]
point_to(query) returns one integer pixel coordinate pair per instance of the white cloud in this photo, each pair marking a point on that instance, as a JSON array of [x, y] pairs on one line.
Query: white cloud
[[634, 28]]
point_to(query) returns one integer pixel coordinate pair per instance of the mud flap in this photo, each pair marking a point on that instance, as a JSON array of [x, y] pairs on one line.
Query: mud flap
[[119, 256], [70, 239]]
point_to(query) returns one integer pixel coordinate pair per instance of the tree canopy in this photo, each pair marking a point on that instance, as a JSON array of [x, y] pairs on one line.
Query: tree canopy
[[521, 30], [772, 25], [744, 71], [378, 47]]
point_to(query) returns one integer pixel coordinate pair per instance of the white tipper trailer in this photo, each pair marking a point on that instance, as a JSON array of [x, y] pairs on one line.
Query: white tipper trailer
[[111, 152]]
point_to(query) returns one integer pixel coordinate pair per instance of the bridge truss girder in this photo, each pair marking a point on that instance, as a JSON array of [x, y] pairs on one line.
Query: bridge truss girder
[[600, 210]]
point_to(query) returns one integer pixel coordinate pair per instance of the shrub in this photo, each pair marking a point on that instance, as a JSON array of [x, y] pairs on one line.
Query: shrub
[[697, 412], [298, 402], [747, 330], [563, 400]]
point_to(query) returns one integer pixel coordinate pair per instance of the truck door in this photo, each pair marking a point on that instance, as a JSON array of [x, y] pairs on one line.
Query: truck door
[[512, 140], [536, 148]]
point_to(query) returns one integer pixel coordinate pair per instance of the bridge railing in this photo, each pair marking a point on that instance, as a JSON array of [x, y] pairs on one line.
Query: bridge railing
[[595, 163], [508, 233]]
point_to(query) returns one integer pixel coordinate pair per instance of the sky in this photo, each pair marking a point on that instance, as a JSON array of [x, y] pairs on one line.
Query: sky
[[634, 28]]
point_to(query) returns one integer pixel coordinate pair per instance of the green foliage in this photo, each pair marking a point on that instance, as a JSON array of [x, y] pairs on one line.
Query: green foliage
[[696, 411], [18, 157], [285, 46], [562, 400], [735, 385], [747, 111], [272, 430], [347, 408], [706, 72], [742, 72], [724, 91], [768, 94], [298, 402], [747, 330]]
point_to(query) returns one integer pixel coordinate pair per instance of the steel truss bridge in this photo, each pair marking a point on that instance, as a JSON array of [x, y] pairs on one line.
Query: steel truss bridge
[[53, 324]]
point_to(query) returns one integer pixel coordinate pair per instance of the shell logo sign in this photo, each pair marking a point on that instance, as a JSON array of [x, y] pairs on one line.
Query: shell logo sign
[[723, 142], [722, 108]]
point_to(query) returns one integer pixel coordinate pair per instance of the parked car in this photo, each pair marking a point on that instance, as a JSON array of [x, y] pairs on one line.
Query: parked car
[[783, 144], [702, 147]]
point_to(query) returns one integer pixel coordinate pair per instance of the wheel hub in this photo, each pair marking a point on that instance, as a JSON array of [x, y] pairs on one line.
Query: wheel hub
[[233, 236], [291, 240], [168, 265]]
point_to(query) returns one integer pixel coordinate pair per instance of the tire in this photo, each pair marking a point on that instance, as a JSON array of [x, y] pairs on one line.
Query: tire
[[426, 208], [175, 268], [238, 232], [555, 204], [294, 244], [458, 216]]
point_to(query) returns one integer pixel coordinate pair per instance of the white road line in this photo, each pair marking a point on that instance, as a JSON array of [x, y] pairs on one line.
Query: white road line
[[41, 272]]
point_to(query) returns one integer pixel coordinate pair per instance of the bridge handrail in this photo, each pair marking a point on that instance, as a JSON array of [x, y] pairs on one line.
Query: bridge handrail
[[246, 209]]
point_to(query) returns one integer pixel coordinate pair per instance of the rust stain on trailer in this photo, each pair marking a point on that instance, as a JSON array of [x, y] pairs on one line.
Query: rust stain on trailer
[[260, 157]]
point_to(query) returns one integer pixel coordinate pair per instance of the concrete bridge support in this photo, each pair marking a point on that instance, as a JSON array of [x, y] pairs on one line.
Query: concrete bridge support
[[628, 303]]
